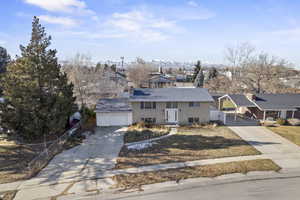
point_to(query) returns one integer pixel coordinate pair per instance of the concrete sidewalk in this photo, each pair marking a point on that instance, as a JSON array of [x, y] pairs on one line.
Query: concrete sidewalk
[[283, 152]]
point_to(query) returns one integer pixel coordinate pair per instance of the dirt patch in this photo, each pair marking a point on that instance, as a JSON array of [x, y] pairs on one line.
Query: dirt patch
[[130, 181], [188, 145], [9, 195]]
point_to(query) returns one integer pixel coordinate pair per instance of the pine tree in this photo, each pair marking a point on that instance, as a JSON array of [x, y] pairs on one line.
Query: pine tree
[[213, 73], [197, 69], [199, 81], [38, 98], [4, 60]]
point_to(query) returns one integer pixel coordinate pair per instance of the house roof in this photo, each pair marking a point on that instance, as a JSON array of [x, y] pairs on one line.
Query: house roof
[[241, 100], [160, 79], [277, 101], [267, 101], [113, 105], [171, 95]]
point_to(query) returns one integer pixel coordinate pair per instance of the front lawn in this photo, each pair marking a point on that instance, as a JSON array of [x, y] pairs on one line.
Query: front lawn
[[188, 145], [136, 133], [291, 133], [14, 159], [129, 181]]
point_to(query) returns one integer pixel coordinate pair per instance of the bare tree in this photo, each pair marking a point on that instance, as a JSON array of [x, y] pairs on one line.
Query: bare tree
[[92, 82], [239, 55], [263, 74], [139, 72]]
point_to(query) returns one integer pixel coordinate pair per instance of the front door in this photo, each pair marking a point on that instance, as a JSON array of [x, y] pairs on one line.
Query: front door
[[171, 115]]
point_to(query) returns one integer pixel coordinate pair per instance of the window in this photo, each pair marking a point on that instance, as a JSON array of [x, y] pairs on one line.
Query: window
[[193, 120], [194, 104], [149, 120], [148, 105], [172, 105]]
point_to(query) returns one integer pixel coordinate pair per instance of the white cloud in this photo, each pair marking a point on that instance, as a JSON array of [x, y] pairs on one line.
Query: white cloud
[[193, 3], [64, 21], [141, 24], [67, 6]]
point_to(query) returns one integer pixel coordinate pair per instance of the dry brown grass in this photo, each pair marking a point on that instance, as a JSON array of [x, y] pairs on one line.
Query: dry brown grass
[[292, 133], [9, 195], [188, 145], [139, 132], [130, 181]]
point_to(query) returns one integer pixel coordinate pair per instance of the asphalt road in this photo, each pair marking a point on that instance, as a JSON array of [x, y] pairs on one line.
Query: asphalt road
[[274, 189]]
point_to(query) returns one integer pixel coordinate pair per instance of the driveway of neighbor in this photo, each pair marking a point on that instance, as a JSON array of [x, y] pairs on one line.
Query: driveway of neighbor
[[97, 153], [283, 152]]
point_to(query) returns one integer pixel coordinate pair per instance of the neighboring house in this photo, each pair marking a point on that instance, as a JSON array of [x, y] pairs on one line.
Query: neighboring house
[[265, 106], [160, 81], [157, 106]]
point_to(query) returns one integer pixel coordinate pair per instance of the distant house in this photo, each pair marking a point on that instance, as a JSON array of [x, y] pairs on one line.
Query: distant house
[[161, 81], [264, 106], [157, 106]]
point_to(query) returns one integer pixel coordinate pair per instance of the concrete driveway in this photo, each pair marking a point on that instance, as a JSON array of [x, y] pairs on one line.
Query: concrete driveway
[[97, 153], [283, 152]]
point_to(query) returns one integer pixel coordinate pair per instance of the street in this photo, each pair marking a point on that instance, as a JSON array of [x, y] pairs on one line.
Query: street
[[271, 189]]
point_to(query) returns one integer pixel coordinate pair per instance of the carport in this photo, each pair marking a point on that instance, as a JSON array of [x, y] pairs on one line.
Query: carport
[[241, 103], [113, 112]]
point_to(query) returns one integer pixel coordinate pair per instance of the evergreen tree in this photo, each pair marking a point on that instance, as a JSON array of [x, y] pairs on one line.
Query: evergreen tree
[[199, 81], [197, 69], [4, 60], [213, 73], [38, 98]]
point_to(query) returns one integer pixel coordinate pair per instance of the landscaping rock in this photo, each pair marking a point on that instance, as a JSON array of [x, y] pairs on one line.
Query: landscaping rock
[[294, 122]]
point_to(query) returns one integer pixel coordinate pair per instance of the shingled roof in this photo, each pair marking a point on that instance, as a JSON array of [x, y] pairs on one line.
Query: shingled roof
[[241, 100], [171, 95], [277, 101], [113, 105]]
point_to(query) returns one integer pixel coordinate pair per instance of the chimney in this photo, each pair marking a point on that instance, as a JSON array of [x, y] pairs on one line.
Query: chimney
[[250, 96]]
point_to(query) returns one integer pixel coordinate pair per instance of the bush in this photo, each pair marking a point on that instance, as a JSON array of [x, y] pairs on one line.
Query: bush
[[294, 122], [281, 122]]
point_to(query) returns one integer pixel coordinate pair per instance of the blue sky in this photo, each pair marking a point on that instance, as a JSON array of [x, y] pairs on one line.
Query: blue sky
[[182, 30]]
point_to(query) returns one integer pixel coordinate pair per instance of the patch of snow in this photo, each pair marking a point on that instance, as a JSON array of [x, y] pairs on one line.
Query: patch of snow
[[140, 146]]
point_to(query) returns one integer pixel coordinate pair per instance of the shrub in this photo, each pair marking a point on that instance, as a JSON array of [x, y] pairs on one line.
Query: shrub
[[294, 122], [281, 122]]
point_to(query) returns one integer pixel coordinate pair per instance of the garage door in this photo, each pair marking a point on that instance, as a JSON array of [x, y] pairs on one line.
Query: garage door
[[114, 119]]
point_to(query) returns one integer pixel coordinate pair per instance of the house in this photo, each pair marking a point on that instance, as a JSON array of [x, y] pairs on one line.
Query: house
[[265, 106], [157, 106], [160, 81]]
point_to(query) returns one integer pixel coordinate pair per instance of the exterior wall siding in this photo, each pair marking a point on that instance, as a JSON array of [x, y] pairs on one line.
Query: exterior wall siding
[[184, 112]]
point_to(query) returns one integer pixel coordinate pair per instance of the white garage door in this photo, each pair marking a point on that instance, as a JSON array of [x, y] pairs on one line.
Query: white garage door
[[114, 119]]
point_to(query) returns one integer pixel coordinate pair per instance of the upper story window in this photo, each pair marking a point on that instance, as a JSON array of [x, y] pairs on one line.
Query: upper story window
[[148, 105], [172, 105], [194, 104]]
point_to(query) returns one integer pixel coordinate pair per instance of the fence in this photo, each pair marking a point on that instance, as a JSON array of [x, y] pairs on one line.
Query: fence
[[216, 115], [49, 152]]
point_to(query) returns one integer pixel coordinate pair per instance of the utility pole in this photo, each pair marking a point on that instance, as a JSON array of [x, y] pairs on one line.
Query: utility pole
[[122, 58]]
